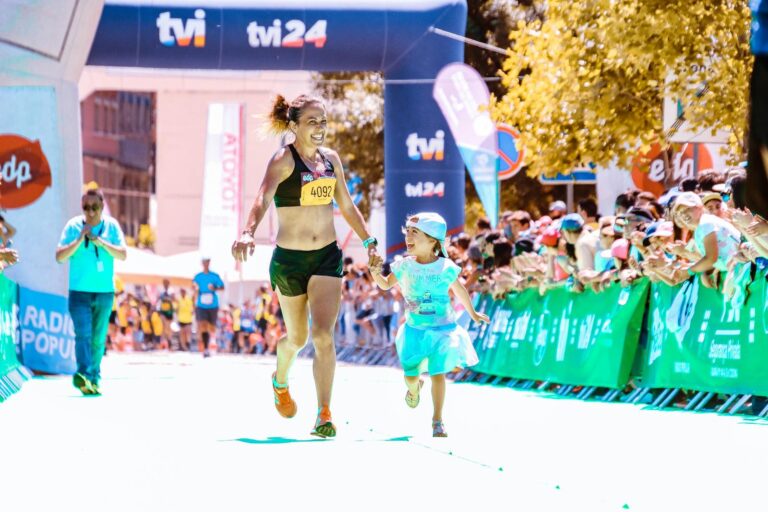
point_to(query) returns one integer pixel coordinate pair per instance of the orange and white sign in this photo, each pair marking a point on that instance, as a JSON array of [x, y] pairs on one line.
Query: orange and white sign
[[24, 171], [656, 172]]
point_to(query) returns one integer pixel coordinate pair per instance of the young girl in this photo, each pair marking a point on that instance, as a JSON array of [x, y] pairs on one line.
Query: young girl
[[430, 340]]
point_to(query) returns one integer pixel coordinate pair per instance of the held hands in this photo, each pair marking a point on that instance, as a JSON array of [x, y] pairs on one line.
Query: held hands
[[375, 263], [243, 247], [372, 250]]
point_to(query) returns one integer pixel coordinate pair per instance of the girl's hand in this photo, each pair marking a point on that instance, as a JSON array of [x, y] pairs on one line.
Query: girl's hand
[[375, 264], [479, 317]]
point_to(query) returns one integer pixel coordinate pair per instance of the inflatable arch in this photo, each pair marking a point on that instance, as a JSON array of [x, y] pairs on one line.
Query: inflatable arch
[[423, 167]]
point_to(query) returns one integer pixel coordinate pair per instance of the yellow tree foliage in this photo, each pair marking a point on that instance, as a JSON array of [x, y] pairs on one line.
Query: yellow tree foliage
[[587, 84]]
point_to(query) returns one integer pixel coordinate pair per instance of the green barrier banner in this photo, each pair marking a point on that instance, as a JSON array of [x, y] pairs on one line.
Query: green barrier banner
[[570, 338], [12, 374], [700, 342]]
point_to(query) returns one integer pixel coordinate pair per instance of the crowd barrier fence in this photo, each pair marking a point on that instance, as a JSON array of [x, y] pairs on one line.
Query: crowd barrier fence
[[646, 343]]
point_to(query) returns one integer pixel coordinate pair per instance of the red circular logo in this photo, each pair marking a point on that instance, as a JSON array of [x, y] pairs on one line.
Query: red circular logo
[[654, 172], [24, 171]]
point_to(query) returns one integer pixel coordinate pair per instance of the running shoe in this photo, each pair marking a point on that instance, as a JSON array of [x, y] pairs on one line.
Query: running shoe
[[82, 383], [438, 429], [411, 399], [324, 427], [95, 390], [284, 404]]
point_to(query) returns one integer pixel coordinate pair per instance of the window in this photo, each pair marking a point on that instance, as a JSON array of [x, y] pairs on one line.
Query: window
[[96, 115], [115, 116]]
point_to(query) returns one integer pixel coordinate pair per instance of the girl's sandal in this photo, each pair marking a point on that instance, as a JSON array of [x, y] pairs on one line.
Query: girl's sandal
[[413, 400], [438, 429]]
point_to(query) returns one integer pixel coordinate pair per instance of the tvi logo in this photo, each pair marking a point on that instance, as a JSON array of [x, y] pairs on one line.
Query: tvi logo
[[426, 149], [425, 189], [263, 36], [175, 31]]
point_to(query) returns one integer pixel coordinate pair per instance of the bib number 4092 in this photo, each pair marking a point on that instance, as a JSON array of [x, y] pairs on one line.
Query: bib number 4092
[[323, 191], [261, 36]]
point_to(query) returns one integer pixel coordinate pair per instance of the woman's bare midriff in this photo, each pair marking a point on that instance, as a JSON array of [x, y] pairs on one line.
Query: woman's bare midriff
[[305, 228]]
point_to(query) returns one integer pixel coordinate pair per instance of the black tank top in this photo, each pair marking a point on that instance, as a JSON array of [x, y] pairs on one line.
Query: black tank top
[[304, 187]]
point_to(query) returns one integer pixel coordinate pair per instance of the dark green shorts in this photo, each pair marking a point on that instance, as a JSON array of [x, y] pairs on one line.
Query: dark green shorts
[[289, 270]]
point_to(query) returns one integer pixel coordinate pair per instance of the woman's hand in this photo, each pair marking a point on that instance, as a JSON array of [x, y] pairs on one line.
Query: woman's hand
[[243, 247]]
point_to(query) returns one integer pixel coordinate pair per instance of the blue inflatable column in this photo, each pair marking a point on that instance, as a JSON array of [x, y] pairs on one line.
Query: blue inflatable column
[[423, 168]]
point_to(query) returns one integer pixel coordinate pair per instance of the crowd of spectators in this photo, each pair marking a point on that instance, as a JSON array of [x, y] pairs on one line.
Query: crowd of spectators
[[699, 227], [164, 319]]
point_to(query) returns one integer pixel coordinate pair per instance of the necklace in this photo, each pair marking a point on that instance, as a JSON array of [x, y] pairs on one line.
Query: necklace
[[313, 166]]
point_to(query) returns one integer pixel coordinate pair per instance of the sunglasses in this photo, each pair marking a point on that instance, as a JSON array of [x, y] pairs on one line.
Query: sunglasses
[[91, 207]]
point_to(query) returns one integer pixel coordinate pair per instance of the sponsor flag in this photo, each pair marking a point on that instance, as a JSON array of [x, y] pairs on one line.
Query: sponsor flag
[[464, 99], [222, 185]]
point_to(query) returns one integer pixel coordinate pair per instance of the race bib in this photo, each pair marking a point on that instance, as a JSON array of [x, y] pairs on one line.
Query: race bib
[[246, 323], [206, 299], [165, 306], [316, 191]]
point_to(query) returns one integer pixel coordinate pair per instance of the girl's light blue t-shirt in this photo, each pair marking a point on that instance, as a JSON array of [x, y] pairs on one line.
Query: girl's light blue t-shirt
[[425, 289]]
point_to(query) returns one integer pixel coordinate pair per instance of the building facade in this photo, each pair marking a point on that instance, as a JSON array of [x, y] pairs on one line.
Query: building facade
[[119, 152]]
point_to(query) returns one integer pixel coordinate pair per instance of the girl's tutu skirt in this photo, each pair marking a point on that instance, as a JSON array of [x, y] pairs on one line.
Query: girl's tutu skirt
[[435, 350]]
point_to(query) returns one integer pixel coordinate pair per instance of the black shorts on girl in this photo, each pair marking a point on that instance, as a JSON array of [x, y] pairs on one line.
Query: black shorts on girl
[[290, 270]]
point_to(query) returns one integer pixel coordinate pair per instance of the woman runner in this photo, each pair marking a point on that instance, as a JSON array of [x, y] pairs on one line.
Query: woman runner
[[303, 178]]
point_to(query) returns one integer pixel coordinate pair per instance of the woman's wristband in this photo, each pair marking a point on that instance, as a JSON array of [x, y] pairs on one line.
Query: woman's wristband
[[369, 241]]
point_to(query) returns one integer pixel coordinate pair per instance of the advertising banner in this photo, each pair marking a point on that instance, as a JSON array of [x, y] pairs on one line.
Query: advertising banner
[[222, 187], [563, 337], [269, 35], [40, 189], [464, 100], [33, 184], [46, 332], [698, 341]]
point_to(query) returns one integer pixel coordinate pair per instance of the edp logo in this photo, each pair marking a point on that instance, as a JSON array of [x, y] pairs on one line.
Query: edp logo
[[15, 172]]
